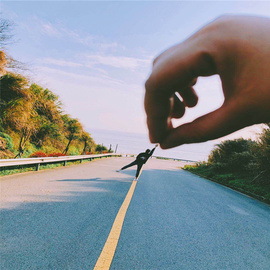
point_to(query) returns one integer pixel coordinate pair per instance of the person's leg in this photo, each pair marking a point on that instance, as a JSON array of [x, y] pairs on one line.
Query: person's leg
[[129, 165], [139, 170]]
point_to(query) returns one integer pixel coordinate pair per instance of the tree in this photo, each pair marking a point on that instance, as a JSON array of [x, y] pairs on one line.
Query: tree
[[30, 114], [13, 86], [17, 110], [87, 141], [73, 130], [5, 32], [100, 148], [48, 109], [46, 130], [6, 37], [21, 117]]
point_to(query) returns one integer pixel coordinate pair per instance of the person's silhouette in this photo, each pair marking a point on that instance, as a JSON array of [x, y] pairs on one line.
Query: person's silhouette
[[140, 160]]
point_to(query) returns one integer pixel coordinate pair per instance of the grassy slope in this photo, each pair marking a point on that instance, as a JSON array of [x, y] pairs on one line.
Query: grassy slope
[[238, 181]]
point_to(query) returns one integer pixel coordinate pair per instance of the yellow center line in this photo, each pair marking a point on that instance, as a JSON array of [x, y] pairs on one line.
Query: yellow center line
[[105, 259]]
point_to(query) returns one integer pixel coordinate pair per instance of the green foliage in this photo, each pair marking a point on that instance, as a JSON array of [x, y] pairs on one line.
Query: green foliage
[[100, 148], [8, 140], [13, 86], [233, 155], [74, 151], [34, 116], [263, 154], [240, 164]]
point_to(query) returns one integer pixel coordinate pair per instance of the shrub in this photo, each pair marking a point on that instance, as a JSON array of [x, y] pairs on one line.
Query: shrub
[[233, 155], [74, 152], [8, 140], [38, 154], [100, 148], [56, 155], [263, 153]]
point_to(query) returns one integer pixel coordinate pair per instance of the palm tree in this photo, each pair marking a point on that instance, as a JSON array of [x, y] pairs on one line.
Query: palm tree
[[17, 110], [73, 130], [48, 108], [87, 141]]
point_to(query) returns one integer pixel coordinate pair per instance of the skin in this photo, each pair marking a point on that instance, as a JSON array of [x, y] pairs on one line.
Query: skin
[[237, 48]]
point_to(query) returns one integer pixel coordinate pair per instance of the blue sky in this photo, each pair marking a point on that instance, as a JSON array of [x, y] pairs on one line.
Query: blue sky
[[97, 55]]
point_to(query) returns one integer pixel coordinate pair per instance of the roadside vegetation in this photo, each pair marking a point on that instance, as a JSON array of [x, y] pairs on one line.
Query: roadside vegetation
[[32, 120], [241, 164], [32, 167]]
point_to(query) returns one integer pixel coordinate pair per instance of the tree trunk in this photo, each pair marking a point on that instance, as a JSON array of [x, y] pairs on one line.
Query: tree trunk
[[20, 147], [84, 148], [66, 150]]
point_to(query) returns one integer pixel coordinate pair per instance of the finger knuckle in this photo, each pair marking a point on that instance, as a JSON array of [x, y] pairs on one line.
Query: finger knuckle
[[149, 84]]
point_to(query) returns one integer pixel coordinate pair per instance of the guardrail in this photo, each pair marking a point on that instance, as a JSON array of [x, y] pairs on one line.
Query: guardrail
[[45, 160], [159, 157], [177, 159]]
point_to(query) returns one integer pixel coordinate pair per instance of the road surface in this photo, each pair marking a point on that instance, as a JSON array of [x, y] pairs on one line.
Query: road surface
[[61, 219]]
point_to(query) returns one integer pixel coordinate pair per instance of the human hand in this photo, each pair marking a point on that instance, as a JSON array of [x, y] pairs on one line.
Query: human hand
[[235, 47]]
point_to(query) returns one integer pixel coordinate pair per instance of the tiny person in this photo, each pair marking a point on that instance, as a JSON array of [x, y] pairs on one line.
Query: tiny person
[[140, 160]]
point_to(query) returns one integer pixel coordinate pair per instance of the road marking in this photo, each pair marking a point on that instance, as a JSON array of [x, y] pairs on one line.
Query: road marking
[[106, 256]]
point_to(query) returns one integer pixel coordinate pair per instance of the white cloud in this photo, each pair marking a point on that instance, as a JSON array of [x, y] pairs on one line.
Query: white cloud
[[95, 61], [103, 80], [57, 62], [118, 61]]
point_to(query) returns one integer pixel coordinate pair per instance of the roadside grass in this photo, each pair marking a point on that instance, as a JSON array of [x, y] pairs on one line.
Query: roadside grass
[[27, 168], [243, 182]]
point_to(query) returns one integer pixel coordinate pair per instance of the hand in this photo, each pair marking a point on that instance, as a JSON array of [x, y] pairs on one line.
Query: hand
[[235, 47]]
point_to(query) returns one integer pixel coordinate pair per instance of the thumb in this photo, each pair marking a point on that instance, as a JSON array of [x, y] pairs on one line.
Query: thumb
[[231, 116]]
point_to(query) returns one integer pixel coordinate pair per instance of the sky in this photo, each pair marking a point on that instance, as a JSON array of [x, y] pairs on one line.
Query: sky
[[96, 55]]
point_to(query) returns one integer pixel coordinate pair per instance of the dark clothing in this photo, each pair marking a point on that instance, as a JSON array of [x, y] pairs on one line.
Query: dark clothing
[[139, 167], [140, 160], [143, 157]]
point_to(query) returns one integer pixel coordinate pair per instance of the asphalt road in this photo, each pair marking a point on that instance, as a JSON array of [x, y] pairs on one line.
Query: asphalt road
[[61, 218]]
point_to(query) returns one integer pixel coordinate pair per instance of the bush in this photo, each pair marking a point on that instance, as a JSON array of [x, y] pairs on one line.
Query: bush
[[100, 148], [233, 155], [74, 152], [263, 153], [38, 154], [8, 140], [56, 155]]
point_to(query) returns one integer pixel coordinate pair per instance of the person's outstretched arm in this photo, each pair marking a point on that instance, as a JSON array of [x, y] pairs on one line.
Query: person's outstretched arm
[[235, 47], [152, 151]]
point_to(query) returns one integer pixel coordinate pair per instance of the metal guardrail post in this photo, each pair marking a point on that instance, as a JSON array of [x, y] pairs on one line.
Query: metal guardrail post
[[65, 163], [37, 166]]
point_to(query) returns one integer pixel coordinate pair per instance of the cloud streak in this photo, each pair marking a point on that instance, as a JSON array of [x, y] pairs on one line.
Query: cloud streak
[[118, 61]]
